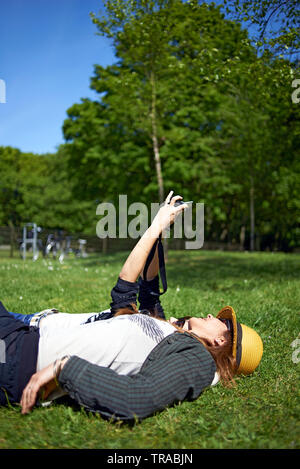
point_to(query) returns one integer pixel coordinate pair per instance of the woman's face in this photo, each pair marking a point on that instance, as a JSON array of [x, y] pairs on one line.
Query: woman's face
[[209, 328]]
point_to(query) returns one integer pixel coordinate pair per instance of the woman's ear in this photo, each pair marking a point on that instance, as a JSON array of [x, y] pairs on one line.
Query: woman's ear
[[219, 340]]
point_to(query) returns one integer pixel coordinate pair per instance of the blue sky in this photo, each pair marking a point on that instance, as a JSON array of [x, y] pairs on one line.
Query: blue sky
[[47, 52]]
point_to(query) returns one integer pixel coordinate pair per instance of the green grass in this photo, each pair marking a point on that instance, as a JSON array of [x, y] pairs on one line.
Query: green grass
[[262, 411]]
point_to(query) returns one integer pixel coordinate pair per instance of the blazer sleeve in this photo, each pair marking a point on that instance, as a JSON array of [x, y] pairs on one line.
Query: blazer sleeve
[[165, 381]]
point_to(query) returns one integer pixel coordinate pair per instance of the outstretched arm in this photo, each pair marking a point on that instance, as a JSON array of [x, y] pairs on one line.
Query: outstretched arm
[[138, 256], [153, 267]]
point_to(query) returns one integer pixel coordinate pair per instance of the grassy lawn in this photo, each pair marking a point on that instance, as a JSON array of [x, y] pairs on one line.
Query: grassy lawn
[[262, 411]]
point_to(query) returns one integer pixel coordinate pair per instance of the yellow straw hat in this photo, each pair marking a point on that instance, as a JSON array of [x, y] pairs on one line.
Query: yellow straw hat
[[247, 346]]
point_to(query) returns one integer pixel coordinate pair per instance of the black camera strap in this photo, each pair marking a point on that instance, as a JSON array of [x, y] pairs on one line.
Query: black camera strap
[[161, 258]]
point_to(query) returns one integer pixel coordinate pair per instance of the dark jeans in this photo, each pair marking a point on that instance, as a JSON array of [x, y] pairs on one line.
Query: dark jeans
[[19, 349], [25, 318]]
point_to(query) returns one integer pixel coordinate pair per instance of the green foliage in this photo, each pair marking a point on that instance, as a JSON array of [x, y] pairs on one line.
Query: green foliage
[[276, 23], [10, 181], [225, 124], [190, 95], [37, 188]]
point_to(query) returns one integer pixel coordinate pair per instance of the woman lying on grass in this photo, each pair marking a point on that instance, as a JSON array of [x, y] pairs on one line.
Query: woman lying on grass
[[134, 362]]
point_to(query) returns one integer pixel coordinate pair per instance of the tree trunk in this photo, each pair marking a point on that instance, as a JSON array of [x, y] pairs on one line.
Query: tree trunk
[[252, 216], [12, 237], [155, 141], [160, 181], [242, 237], [104, 245]]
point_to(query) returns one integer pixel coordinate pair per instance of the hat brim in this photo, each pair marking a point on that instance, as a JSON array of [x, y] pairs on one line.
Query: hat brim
[[228, 313]]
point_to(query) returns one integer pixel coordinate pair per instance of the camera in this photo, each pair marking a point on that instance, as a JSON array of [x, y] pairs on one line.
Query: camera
[[181, 202]]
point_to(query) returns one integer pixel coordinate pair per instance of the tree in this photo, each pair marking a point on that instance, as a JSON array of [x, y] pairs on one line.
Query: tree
[[275, 22], [258, 143], [10, 190], [205, 111], [141, 32], [170, 58], [37, 188], [47, 196]]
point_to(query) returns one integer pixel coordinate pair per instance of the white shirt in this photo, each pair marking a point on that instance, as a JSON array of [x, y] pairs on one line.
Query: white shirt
[[121, 343]]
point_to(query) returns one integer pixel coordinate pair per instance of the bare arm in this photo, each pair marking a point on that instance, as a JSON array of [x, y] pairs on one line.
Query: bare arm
[[153, 267], [138, 256]]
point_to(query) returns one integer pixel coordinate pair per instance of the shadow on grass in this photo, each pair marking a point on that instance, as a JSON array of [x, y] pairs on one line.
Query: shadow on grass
[[211, 269]]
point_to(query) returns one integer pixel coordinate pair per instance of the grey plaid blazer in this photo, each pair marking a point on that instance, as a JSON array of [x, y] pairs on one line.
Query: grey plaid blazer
[[178, 368]]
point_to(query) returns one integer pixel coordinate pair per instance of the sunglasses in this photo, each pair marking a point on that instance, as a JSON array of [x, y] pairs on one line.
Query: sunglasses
[[181, 321], [228, 324]]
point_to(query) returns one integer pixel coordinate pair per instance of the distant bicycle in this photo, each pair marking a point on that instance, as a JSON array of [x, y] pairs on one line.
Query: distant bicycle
[[66, 249], [54, 245], [61, 248], [81, 252], [30, 242], [51, 246]]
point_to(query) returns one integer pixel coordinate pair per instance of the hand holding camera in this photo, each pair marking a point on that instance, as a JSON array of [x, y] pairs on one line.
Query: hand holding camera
[[169, 211]]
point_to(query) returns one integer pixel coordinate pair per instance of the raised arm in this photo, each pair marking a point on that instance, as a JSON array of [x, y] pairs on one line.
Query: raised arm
[[138, 256]]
